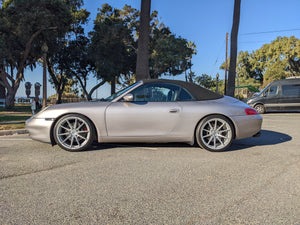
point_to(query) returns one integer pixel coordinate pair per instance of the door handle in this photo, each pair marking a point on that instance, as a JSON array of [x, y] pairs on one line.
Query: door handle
[[173, 110]]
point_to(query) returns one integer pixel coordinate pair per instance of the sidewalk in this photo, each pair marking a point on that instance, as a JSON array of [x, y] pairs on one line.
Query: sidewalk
[[13, 132]]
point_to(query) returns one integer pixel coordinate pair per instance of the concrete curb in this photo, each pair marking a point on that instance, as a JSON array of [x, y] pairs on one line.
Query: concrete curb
[[13, 132]]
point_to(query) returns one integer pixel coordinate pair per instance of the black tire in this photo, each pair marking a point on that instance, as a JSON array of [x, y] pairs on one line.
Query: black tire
[[260, 108], [74, 132], [215, 133]]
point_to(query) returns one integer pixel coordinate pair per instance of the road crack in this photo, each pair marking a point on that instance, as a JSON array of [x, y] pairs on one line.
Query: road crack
[[38, 171]]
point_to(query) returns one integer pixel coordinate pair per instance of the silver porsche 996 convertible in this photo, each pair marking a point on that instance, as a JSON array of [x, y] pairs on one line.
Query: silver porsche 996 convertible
[[150, 111]]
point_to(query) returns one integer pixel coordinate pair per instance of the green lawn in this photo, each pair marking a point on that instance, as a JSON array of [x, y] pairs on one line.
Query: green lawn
[[4, 118], [18, 108]]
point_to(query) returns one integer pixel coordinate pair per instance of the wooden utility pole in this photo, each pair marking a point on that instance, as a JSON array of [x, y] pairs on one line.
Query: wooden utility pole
[[225, 83]]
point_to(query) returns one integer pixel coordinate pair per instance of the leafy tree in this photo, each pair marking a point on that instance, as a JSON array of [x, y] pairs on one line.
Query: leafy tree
[[233, 48], [205, 81], [68, 51], [170, 55], [111, 45], [277, 60], [24, 27]]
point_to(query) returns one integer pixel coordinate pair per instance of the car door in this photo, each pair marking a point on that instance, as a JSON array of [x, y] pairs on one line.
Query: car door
[[271, 98], [153, 112]]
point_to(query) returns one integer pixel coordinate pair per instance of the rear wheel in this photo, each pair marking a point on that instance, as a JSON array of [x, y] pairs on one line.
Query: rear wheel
[[215, 133], [73, 132], [260, 108]]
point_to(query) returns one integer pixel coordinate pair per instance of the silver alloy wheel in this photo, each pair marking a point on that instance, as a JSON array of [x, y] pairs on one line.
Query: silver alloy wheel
[[215, 133], [260, 108], [73, 133]]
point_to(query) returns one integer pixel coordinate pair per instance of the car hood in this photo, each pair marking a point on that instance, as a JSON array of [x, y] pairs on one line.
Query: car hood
[[79, 107]]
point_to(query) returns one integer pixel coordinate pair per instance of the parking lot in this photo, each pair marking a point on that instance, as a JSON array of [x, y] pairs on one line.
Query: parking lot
[[257, 181]]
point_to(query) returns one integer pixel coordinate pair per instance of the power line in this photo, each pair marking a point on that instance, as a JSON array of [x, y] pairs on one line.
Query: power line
[[267, 32]]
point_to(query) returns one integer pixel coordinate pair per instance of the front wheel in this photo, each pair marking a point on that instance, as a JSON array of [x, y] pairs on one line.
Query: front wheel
[[73, 132], [215, 133]]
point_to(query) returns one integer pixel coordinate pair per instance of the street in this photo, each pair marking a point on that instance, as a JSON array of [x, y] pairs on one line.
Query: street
[[256, 181]]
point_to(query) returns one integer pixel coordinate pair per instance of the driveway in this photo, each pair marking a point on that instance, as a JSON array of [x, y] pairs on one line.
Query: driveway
[[257, 181]]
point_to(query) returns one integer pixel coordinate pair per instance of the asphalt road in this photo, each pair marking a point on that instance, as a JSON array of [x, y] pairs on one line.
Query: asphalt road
[[257, 181]]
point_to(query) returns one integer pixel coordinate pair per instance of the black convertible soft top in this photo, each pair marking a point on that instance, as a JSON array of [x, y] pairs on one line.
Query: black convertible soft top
[[198, 92]]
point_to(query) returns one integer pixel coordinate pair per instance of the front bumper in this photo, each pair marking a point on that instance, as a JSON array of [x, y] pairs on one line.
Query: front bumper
[[39, 129]]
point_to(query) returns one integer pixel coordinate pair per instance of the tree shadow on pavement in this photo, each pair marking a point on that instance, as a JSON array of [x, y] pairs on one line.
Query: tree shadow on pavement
[[267, 137]]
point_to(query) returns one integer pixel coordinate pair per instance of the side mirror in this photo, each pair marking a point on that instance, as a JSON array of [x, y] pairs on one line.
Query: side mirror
[[128, 97]]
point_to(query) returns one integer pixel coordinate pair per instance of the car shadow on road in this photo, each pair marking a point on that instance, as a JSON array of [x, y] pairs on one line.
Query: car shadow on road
[[267, 137]]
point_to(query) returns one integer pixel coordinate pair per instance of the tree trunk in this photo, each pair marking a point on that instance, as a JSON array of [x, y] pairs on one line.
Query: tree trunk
[[233, 48], [2, 92], [113, 86], [58, 96], [10, 98], [142, 64]]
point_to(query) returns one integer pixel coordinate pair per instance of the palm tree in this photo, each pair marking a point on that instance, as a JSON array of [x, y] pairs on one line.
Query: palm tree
[[233, 48], [142, 64]]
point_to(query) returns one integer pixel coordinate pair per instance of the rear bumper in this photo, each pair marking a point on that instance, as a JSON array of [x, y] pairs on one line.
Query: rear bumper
[[39, 129], [247, 126]]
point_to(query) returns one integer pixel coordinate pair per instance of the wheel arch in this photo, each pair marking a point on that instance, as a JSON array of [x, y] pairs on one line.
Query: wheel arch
[[258, 103], [216, 114], [53, 142]]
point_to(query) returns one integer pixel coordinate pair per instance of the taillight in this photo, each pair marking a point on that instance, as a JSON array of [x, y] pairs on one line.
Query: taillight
[[251, 111]]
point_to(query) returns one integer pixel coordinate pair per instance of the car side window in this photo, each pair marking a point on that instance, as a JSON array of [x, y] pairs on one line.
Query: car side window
[[185, 96], [155, 93], [291, 90], [271, 91]]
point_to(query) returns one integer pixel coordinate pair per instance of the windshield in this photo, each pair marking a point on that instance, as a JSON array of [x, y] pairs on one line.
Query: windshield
[[258, 94], [115, 95]]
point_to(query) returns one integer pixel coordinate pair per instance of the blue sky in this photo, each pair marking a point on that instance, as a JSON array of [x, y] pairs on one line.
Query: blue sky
[[206, 22]]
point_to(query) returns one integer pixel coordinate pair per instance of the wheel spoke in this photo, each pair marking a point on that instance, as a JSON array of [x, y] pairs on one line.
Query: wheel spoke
[[216, 121], [219, 139], [75, 123], [210, 139], [69, 124], [66, 139], [83, 131], [65, 128], [221, 126], [80, 126], [84, 138], [76, 138], [206, 135], [215, 142], [225, 137], [72, 140], [62, 134]]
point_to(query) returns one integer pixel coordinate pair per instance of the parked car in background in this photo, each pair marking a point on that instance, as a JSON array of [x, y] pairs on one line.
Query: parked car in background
[[280, 95], [153, 111]]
